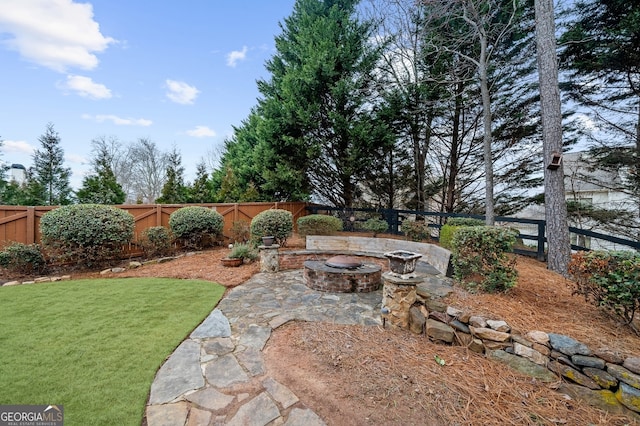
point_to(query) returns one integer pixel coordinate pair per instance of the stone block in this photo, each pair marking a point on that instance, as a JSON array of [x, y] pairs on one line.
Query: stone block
[[530, 353], [489, 334], [439, 331], [572, 374], [632, 364], [629, 397], [624, 375], [417, 320], [499, 326], [588, 361], [601, 377], [538, 337]]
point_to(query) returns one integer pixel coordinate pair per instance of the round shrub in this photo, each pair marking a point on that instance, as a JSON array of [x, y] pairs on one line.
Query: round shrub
[[156, 241], [275, 222], [87, 234], [451, 227], [318, 224], [23, 258], [375, 225], [196, 227], [417, 230]]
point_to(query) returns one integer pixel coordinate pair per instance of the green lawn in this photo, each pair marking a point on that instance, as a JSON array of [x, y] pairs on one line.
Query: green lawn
[[94, 346]]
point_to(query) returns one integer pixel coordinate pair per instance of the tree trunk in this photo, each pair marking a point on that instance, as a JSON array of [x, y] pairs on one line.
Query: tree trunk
[[559, 247], [488, 141]]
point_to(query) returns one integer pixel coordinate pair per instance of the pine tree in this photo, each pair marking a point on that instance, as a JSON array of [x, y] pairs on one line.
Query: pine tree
[[174, 190], [48, 178], [200, 190]]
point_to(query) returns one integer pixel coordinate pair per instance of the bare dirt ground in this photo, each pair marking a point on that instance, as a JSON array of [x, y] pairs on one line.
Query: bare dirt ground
[[353, 375]]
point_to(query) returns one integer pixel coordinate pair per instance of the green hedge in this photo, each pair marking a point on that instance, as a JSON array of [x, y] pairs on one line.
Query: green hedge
[[449, 229], [87, 234], [480, 260], [156, 241], [318, 224], [196, 226], [415, 230]]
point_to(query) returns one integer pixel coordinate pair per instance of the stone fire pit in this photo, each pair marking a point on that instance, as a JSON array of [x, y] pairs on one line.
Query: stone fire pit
[[342, 274]]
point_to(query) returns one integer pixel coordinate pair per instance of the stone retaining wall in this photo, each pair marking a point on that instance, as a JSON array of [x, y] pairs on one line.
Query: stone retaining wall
[[606, 379]]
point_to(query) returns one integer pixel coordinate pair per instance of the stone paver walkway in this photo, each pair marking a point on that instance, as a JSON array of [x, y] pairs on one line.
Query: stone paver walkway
[[212, 377]]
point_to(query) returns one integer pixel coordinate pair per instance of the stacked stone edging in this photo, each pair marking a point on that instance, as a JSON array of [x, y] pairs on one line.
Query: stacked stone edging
[[609, 378]]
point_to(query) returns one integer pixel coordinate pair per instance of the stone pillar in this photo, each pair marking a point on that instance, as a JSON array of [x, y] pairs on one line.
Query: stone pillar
[[398, 295], [269, 259]]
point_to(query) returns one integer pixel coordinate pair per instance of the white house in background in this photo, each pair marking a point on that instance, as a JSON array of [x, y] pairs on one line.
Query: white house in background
[[598, 188], [18, 173]]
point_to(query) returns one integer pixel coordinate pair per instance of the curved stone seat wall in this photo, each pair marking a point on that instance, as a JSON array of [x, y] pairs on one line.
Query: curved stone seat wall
[[432, 254]]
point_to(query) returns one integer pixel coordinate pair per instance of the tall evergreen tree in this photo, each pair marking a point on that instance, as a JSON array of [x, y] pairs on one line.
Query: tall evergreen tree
[[200, 190], [173, 190], [319, 129], [48, 178], [101, 186]]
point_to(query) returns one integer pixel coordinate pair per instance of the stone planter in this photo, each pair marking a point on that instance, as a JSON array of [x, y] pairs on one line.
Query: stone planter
[[227, 261], [401, 262], [268, 240]]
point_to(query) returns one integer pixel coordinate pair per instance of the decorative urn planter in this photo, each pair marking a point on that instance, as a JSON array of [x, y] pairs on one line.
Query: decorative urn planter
[[402, 263], [268, 240], [232, 262]]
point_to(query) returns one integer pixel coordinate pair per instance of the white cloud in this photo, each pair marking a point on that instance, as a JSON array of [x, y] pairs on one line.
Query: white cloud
[[236, 55], [180, 92], [85, 87], [76, 159], [57, 34], [201, 132], [118, 121], [17, 147]]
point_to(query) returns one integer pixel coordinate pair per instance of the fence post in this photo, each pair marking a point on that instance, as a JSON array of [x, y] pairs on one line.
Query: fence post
[[31, 225], [158, 214], [541, 240]]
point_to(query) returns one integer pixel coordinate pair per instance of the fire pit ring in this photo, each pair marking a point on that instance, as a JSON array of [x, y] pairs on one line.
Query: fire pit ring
[[343, 262], [342, 274]]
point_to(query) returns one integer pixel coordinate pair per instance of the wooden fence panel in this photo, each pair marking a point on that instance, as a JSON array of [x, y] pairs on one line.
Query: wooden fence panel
[[22, 224]]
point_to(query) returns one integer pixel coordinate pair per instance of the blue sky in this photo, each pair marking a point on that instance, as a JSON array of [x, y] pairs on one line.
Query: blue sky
[[180, 73]]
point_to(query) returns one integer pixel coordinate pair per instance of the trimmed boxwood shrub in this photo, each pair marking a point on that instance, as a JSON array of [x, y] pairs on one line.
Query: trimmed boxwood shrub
[[609, 279], [275, 222], [156, 241], [23, 258], [375, 225], [318, 224], [453, 224], [480, 260], [196, 226], [86, 234]]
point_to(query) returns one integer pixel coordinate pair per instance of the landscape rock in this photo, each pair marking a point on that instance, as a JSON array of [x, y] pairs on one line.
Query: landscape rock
[[602, 399], [478, 322], [489, 334], [439, 331], [632, 364], [629, 397], [280, 393], [588, 361], [499, 326], [568, 345], [624, 375], [210, 399], [259, 411], [167, 414], [179, 374], [572, 374], [523, 365], [601, 377], [417, 320], [538, 337], [608, 355], [530, 354]]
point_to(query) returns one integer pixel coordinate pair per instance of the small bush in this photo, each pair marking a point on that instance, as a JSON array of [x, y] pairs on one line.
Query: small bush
[[156, 241], [449, 229], [243, 251], [240, 231], [319, 224], [480, 259], [275, 222], [87, 234], [375, 225], [415, 230], [23, 258], [609, 279], [196, 227]]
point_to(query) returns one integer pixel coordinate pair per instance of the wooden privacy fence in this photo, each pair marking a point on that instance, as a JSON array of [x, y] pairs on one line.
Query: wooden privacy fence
[[22, 224]]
